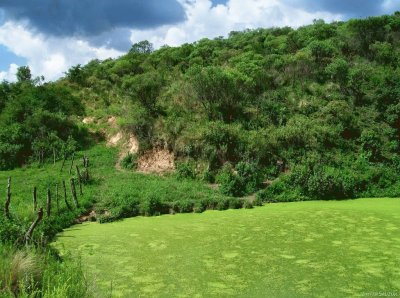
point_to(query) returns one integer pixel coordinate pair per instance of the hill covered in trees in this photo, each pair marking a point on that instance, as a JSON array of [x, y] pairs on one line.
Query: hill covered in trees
[[314, 113]]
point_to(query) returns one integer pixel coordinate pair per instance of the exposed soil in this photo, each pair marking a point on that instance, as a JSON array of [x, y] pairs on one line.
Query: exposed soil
[[115, 139], [86, 217], [133, 144], [88, 120], [112, 121], [156, 161]]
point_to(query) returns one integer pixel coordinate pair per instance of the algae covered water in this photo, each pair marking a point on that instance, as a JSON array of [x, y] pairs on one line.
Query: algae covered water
[[330, 249]]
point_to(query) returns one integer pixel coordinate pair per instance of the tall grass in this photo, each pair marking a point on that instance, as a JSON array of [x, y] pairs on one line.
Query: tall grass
[[28, 272]]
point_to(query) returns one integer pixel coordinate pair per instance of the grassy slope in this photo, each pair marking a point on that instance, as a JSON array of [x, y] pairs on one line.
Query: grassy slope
[[335, 248], [109, 187]]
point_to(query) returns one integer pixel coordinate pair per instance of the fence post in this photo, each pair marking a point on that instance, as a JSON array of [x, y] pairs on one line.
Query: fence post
[[65, 196], [29, 233], [34, 194], [8, 200], [72, 163], [57, 200], [73, 192], [48, 202], [79, 180]]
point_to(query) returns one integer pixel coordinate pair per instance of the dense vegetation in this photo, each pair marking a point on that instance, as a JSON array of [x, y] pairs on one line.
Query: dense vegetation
[[318, 107], [36, 121]]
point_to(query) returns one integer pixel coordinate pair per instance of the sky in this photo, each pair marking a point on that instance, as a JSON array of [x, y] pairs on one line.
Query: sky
[[50, 36]]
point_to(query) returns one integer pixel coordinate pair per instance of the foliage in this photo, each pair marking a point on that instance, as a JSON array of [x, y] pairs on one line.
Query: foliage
[[35, 121], [185, 170], [129, 162], [245, 179], [266, 96]]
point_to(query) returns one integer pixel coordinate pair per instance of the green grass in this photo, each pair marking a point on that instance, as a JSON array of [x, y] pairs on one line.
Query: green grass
[[319, 249], [110, 189]]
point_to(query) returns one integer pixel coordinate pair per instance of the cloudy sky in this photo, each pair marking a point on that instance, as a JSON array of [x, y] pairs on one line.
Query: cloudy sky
[[52, 35]]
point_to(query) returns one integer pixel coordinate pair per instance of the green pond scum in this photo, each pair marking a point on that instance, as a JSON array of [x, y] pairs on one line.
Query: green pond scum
[[319, 249]]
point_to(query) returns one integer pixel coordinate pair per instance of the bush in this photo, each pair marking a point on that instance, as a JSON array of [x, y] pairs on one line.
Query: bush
[[244, 180], [223, 204], [247, 204], [200, 206], [10, 231], [235, 203], [208, 176], [258, 201], [184, 206], [185, 170], [153, 206], [210, 203], [129, 162], [230, 183], [251, 176]]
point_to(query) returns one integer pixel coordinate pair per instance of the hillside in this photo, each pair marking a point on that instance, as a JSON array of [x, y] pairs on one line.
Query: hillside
[[317, 107]]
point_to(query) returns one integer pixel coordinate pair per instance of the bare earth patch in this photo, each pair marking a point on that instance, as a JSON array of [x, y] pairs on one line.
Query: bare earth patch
[[156, 161], [115, 139], [88, 120], [112, 121], [133, 144]]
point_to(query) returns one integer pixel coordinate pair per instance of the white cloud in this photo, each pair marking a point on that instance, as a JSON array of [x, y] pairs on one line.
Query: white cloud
[[49, 56], [10, 74], [205, 20], [390, 5]]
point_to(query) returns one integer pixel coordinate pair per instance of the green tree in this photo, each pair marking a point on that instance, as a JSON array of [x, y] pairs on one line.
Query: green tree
[[24, 74]]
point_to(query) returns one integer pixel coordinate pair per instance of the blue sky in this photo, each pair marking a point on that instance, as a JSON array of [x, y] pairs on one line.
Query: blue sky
[[52, 35], [8, 57]]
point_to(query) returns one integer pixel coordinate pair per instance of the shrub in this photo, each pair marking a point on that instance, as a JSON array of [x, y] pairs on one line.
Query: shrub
[[183, 206], [247, 204], [258, 201], [200, 206], [230, 183], [245, 179], [210, 203], [235, 203], [251, 176], [10, 231], [223, 204], [153, 206], [129, 162], [208, 176], [185, 170]]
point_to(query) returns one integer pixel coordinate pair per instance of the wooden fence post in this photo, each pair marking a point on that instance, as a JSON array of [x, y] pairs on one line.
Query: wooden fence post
[[73, 192], [48, 209], [57, 200], [86, 165], [29, 233], [63, 163], [8, 200], [34, 198], [79, 180], [72, 163], [65, 196]]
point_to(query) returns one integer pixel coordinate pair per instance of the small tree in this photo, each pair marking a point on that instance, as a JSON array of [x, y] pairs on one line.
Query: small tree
[[24, 74]]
